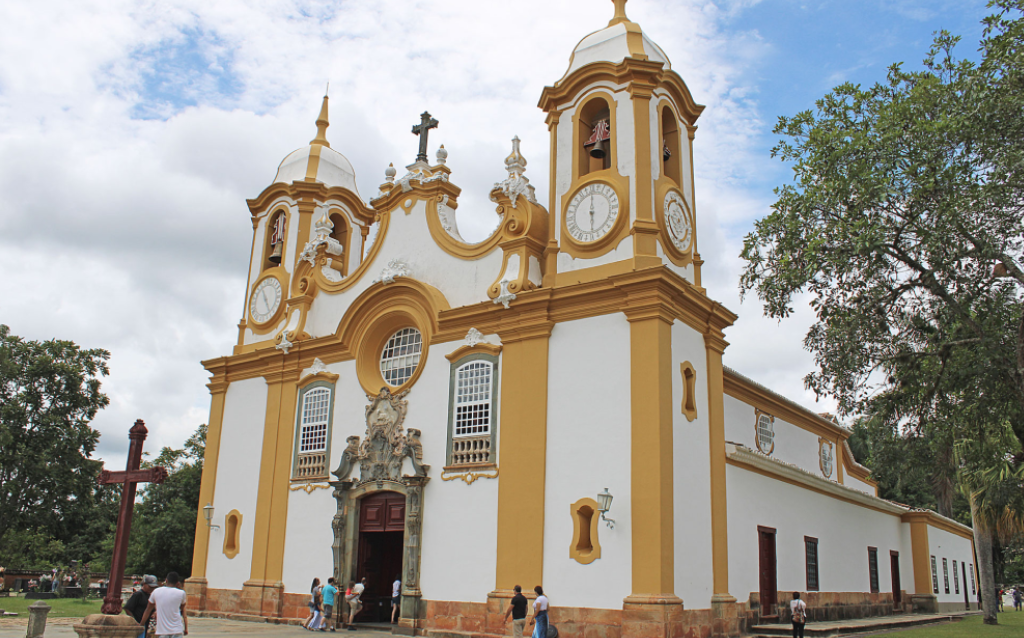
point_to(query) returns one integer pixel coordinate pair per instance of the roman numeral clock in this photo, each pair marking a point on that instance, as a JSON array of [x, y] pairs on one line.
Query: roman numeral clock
[[592, 214]]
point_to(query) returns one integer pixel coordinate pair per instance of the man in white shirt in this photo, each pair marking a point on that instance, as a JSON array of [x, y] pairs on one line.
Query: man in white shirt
[[169, 604], [355, 603], [798, 609]]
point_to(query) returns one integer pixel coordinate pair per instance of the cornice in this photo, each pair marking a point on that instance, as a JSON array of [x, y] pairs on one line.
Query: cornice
[[316, 192], [939, 522], [480, 348]]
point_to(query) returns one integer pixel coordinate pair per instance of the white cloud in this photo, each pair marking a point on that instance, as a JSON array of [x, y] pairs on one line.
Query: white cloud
[[131, 134]]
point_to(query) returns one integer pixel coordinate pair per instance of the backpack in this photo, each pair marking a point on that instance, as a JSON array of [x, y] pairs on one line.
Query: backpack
[[800, 614]]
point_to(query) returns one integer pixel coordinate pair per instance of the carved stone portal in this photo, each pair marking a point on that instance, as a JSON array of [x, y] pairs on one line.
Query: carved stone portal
[[380, 456]]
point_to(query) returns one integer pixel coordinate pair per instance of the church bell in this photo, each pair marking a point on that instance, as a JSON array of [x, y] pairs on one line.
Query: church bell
[[275, 254], [599, 149], [597, 145]]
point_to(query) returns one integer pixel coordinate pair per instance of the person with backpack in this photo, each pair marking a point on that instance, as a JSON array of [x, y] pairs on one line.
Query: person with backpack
[[799, 611]]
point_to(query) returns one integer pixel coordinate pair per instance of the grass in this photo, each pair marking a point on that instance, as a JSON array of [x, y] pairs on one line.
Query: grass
[[1011, 624], [60, 607]]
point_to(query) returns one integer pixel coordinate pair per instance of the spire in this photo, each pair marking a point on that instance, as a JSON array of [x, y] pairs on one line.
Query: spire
[[322, 124], [620, 13]]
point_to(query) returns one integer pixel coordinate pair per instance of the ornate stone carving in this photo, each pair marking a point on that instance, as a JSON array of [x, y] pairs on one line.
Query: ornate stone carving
[[349, 458], [474, 337], [516, 184], [284, 344], [317, 367], [505, 297], [386, 446], [323, 229], [395, 268]]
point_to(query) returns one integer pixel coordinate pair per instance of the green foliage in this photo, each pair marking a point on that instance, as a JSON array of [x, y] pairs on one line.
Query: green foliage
[[49, 393], [163, 530], [59, 607]]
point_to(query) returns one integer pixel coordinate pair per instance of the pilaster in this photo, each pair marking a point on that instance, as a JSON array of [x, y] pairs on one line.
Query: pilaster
[[715, 346]]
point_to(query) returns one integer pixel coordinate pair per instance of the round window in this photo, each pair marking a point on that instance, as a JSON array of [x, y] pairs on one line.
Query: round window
[[400, 356]]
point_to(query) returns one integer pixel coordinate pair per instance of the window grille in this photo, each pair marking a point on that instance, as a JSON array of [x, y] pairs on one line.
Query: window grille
[[971, 568], [873, 568], [935, 577], [811, 552], [314, 418], [945, 574], [473, 399], [956, 581], [765, 433], [400, 356]]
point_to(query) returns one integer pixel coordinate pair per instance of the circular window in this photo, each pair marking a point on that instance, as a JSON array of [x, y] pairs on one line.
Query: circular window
[[400, 356]]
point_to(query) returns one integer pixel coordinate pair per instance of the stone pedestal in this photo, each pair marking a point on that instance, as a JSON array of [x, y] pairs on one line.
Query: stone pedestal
[[196, 590], [924, 603], [652, 616], [106, 626], [261, 598], [725, 616], [37, 612]]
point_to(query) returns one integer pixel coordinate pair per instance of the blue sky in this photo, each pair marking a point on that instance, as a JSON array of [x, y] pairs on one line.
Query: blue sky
[[131, 138]]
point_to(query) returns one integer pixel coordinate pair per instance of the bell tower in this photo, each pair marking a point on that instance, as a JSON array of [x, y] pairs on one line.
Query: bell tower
[[622, 125]]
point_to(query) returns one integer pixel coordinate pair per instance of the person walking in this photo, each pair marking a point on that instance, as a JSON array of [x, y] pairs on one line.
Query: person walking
[[799, 612], [137, 604], [355, 603], [517, 609], [327, 595], [1017, 597], [317, 606], [540, 614], [168, 602], [396, 598]]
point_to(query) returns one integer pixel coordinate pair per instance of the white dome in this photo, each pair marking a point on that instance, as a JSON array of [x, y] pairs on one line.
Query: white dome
[[611, 44], [322, 163]]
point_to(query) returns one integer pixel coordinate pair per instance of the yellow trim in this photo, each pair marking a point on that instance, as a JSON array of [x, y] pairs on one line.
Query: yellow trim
[[855, 469], [308, 487], [762, 399], [218, 389], [682, 259], [941, 522], [586, 556], [714, 348], [319, 376], [920, 551], [551, 252], [523, 445], [231, 538], [652, 506], [461, 473], [313, 163], [689, 390], [644, 230], [270, 324], [482, 348]]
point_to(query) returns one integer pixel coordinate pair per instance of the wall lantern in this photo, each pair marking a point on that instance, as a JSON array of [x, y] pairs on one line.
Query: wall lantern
[[208, 515], [604, 503]]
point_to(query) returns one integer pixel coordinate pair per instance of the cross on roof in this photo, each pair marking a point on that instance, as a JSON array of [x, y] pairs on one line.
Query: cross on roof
[[422, 129]]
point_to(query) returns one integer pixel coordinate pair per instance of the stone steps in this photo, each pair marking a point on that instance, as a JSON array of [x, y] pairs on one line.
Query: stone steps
[[831, 629]]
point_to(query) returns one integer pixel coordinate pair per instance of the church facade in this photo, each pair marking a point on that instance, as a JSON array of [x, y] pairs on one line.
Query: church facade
[[547, 406]]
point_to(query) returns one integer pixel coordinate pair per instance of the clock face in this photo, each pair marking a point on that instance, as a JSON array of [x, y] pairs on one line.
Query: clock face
[[677, 219], [592, 212], [266, 297]]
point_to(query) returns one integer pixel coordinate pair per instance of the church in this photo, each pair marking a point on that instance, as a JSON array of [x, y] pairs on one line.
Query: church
[[547, 406]]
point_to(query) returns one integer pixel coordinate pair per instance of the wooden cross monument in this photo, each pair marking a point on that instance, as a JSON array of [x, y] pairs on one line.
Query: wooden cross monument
[[130, 479], [421, 129]]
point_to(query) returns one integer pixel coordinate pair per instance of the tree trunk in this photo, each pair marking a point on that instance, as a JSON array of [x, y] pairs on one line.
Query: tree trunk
[[983, 547]]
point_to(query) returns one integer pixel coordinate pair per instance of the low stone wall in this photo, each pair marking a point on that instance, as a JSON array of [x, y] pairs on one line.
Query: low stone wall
[[825, 606]]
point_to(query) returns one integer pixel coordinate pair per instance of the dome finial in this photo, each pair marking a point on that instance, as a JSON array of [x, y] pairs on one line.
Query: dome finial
[[322, 124], [620, 13]]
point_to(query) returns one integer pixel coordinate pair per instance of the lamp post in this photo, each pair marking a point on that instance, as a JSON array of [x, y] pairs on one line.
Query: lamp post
[[208, 515], [604, 503]]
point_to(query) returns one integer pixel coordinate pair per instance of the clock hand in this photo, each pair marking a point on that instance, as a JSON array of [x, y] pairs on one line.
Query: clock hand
[[263, 293]]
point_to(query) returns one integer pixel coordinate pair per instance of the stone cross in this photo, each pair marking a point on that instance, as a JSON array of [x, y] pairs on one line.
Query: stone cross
[[421, 129], [130, 479]]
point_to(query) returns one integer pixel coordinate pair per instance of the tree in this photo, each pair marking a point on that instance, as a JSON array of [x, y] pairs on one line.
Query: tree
[[49, 393], [163, 530], [904, 225]]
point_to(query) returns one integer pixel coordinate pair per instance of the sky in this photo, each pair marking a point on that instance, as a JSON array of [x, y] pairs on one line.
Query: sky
[[133, 131]]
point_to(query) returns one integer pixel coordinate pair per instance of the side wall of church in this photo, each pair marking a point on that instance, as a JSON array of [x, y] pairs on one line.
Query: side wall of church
[[588, 449], [691, 469], [238, 471], [794, 513], [857, 484], [793, 444], [944, 545]]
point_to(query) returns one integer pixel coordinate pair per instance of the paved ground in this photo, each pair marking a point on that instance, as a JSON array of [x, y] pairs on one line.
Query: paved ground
[[198, 628]]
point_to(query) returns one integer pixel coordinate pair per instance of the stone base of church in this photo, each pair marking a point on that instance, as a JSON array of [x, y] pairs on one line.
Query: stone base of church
[[827, 606]]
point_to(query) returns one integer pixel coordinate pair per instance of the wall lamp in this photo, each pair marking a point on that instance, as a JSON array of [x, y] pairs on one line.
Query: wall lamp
[[604, 503], [208, 515]]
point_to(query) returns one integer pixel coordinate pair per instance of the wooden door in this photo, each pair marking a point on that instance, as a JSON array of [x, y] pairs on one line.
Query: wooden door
[[380, 551], [767, 567], [967, 601], [897, 588]]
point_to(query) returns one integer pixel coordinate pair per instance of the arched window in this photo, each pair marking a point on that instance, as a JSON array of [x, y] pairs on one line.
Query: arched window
[[596, 137], [273, 239], [473, 410], [764, 426], [313, 431], [670, 147], [340, 234]]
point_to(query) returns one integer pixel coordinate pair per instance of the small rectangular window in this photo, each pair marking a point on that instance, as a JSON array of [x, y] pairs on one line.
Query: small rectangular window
[[945, 574], [873, 568], [956, 581], [971, 568], [935, 577], [811, 554]]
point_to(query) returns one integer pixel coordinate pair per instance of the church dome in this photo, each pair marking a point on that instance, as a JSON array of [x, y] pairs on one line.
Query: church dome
[[318, 162], [621, 39]]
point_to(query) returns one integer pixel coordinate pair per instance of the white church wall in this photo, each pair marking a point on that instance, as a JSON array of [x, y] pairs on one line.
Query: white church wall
[[907, 580], [691, 491], [948, 546], [308, 539], [857, 484], [844, 532], [408, 239], [588, 442], [454, 543], [793, 444], [238, 471]]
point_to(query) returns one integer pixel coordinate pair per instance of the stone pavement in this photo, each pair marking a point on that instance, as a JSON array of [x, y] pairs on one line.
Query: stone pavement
[[198, 628], [860, 626]]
